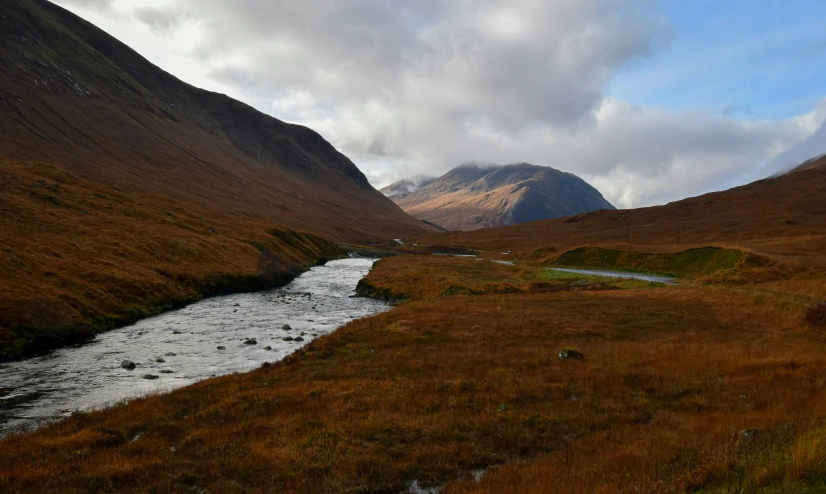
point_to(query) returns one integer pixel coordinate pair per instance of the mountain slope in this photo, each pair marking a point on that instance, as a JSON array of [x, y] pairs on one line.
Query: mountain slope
[[403, 188], [71, 94], [472, 197], [812, 164], [124, 190]]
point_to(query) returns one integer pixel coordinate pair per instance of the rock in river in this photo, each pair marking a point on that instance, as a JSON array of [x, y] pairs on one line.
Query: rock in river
[[150, 377], [286, 327], [128, 365], [251, 341]]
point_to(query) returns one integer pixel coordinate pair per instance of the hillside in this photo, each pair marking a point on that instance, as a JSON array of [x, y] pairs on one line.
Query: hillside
[[123, 189], [471, 197], [819, 162]]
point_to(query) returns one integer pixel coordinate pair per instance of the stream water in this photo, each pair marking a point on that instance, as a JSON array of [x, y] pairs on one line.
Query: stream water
[[619, 274], [206, 339]]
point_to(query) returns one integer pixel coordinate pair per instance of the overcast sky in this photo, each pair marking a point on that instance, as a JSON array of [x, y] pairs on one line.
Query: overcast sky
[[649, 100]]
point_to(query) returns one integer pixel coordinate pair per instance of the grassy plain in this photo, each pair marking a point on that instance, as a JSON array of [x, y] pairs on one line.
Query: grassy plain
[[693, 387]]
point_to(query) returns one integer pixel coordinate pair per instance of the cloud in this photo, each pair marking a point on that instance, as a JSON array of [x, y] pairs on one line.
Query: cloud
[[411, 88], [161, 21], [88, 4], [813, 146]]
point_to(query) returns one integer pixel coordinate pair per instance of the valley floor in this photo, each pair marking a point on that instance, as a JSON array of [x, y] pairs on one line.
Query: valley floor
[[703, 387]]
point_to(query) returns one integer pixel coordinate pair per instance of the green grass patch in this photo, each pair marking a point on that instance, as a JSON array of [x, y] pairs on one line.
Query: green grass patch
[[689, 263], [545, 274], [549, 274]]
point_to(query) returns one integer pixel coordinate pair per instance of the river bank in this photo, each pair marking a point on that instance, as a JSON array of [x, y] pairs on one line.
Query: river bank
[[46, 325], [216, 336]]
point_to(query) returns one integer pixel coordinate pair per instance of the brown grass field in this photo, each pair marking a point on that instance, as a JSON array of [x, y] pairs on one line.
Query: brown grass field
[[698, 386]]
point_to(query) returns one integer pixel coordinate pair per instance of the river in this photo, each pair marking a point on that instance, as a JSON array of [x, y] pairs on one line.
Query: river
[[177, 348]]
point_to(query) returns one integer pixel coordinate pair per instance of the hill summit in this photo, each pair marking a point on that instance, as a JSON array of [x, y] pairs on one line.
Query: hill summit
[[471, 197]]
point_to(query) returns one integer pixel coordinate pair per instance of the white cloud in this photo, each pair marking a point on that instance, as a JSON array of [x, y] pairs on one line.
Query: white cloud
[[419, 87]]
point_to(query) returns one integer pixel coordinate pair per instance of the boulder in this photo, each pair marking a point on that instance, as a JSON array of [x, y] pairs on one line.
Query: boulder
[[222, 348], [128, 365], [160, 360], [287, 338], [569, 353], [251, 341], [268, 348], [150, 377], [286, 327], [750, 432], [298, 339]]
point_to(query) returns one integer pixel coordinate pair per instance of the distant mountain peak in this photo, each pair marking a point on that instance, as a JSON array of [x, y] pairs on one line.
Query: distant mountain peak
[[403, 188], [473, 196]]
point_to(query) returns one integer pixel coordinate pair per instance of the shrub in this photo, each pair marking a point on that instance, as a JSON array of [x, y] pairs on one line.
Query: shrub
[[816, 316]]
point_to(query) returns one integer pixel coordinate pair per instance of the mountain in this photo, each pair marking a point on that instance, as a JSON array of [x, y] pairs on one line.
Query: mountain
[[124, 190], [73, 95], [471, 197], [403, 188]]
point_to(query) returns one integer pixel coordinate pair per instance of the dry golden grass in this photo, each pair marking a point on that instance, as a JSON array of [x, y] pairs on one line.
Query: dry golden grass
[[444, 385]]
